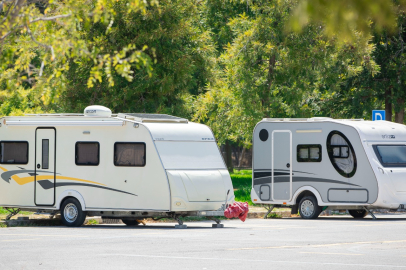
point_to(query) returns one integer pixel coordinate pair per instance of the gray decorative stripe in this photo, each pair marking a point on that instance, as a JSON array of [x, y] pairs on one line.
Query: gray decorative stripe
[[46, 184], [7, 175], [296, 179], [265, 174], [278, 170]]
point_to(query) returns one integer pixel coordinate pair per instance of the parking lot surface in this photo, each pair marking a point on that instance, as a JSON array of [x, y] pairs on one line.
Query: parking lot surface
[[291, 243]]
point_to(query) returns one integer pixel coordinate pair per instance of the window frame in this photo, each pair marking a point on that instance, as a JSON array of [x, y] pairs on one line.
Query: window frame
[[145, 154], [340, 146], [308, 146], [331, 157], [76, 153], [28, 152], [387, 165]]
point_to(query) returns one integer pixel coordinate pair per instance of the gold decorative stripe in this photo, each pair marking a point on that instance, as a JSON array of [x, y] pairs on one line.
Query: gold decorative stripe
[[29, 179]]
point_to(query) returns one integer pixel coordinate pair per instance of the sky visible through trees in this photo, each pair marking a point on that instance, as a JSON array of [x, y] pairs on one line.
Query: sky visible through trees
[[225, 63]]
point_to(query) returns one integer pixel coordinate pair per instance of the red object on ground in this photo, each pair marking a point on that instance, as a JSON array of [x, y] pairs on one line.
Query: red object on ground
[[237, 209]]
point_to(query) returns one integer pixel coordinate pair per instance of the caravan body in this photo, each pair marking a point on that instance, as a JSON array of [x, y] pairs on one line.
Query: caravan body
[[311, 164], [126, 165]]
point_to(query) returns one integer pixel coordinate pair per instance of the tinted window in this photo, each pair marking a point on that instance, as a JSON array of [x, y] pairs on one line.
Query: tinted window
[[129, 154], [391, 155], [87, 153], [45, 153], [309, 153], [14, 152], [341, 154]]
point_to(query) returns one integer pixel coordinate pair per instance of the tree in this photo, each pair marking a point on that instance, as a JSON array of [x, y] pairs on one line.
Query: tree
[[267, 72], [181, 47], [345, 18], [40, 39]]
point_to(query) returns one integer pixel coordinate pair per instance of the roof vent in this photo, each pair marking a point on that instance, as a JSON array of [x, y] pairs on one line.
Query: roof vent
[[97, 110]]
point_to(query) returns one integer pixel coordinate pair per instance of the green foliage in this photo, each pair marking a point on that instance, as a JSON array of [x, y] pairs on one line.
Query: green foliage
[[274, 215], [342, 18], [173, 36], [39, 40], [265, 72], [92, 222], [243, 194], [241, 180], [242, 183]]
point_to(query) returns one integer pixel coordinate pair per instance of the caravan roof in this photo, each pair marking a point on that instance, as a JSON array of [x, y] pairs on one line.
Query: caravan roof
[[368, 130]]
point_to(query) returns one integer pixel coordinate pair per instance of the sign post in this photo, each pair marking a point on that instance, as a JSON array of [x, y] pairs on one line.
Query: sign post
[[378, 115]]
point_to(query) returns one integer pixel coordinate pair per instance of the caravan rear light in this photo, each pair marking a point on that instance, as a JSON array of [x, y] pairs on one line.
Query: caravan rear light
[[284, 203], [255, 200]]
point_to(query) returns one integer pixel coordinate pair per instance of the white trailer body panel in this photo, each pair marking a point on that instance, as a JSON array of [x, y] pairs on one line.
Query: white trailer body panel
[[356, 178], [51, 172]]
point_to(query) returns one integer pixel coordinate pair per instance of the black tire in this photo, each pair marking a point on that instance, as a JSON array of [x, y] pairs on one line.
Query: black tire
[[130, 221], [308, 208], [359, 213], [72, 214]]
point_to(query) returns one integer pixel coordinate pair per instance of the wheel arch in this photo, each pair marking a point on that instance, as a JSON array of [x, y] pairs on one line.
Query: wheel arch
[[305, 191], [70, 194]]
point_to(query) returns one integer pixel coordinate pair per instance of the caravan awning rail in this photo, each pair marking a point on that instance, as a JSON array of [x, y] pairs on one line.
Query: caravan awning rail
[[49, 123]]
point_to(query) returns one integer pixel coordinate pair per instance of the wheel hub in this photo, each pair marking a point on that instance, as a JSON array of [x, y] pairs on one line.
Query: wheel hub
[[307, 208], [70, 212]]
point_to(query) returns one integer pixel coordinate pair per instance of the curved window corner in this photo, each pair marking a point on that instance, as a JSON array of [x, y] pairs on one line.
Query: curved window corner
[[341, 154]]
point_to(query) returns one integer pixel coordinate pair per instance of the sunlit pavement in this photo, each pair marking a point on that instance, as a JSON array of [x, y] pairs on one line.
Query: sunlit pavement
[[291, 243]]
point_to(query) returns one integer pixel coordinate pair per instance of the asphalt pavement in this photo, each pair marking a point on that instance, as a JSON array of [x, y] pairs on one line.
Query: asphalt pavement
[[289, 243]]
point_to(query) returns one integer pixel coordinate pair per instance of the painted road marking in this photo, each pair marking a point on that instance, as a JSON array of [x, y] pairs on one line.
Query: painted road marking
[[251, 260], [323, 245], [15, 240], [350, 254], [50, 235]]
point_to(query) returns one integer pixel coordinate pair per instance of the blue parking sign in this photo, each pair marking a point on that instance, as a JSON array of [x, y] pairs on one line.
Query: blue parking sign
[[378, 115]]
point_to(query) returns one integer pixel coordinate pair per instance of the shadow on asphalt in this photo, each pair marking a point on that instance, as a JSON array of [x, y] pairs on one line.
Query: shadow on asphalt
[[368, 219], [149, 227]]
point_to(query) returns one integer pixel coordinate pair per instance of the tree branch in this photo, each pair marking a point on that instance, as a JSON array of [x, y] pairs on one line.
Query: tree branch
[[49, 47], [51, 18]]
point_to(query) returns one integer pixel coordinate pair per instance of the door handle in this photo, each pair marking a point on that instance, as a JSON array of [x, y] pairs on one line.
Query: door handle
[[288, 165], [38, 166]]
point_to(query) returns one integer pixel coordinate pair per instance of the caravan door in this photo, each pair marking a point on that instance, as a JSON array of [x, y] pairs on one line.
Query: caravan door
[[44, 176], [281, 165]]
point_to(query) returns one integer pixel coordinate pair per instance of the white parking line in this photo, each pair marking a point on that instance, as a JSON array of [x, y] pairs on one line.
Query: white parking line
[[16, 240], [322, 245], [328, 253]]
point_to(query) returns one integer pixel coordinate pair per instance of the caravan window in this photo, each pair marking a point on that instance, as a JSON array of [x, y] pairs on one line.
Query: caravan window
[[14, 152], [391, 155], [129, 154], [87, 153], [309, 153], [341, 154]]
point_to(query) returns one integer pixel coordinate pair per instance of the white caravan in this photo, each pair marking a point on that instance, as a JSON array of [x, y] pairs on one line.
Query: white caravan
[[319, 163], [127, 166]]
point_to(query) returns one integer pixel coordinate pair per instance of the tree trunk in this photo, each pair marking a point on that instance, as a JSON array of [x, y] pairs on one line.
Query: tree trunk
[[400, 115], [265, 98], [388, 104], [241, 157], [229, 159]]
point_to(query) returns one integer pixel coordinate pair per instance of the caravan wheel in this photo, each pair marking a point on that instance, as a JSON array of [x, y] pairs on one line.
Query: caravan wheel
[[358, 213], [72, 214], [308, 207]]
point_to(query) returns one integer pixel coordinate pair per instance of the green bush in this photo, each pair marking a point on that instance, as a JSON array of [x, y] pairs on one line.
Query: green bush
[[243, 194], [240, 181]]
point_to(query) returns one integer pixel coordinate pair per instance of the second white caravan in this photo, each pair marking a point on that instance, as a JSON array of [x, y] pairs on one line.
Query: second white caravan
[[322, 163], [127, 166]]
